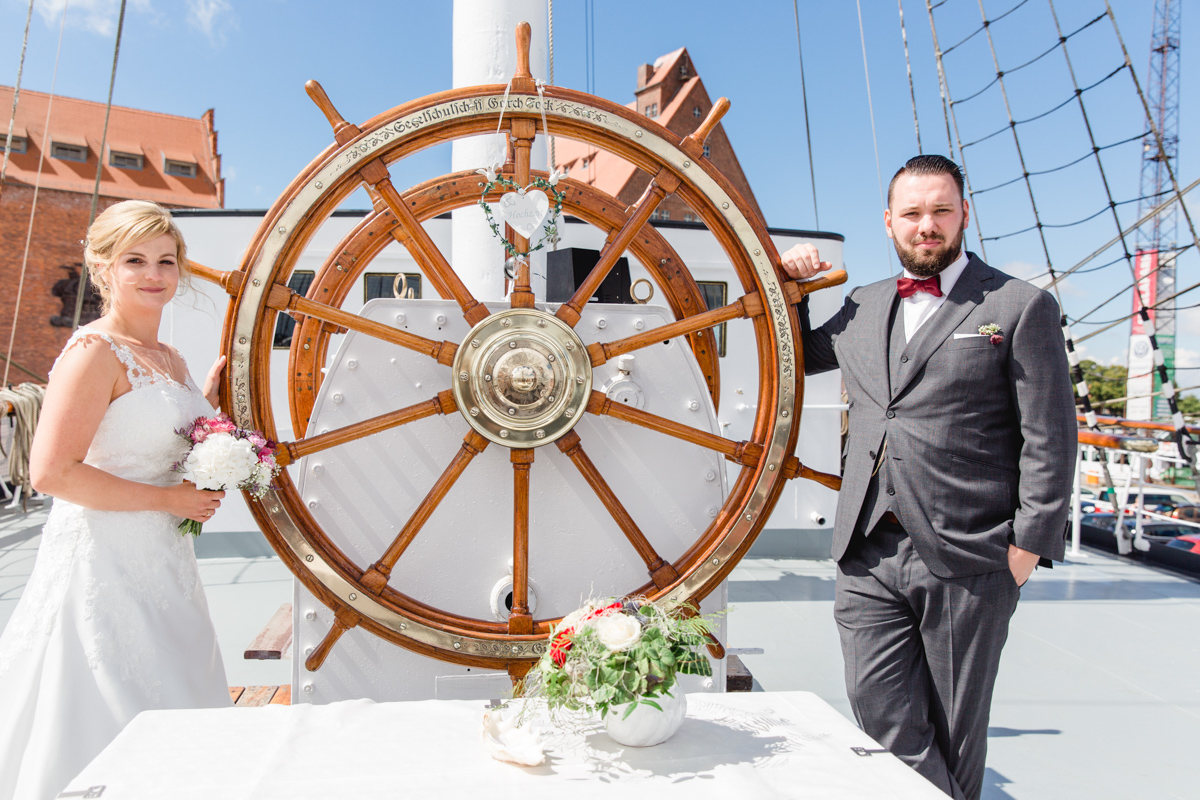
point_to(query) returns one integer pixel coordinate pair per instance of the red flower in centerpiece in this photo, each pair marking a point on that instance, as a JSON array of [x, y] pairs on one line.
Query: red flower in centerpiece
[[560, 645], [612, 608]]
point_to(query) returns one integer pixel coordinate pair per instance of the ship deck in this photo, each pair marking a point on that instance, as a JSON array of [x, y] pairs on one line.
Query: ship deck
[[1096, 696]]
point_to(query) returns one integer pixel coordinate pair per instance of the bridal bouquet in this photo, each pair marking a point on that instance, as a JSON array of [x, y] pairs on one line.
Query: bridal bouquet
[[618, 652], [221, 455]]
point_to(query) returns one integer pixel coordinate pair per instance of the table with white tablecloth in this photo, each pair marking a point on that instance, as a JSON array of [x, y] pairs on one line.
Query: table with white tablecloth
[[761, 745]]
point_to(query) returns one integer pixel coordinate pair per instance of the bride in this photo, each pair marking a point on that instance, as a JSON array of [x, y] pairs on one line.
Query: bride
[[113, 620]]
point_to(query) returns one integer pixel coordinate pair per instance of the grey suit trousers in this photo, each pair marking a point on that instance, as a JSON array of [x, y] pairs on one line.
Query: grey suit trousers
[[921, 655]]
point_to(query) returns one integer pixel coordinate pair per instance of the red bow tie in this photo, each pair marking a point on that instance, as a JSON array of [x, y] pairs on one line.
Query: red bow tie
[[908, 287]]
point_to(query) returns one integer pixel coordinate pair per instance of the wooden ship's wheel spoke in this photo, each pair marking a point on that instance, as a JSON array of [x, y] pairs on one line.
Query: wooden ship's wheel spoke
[[375, 174], [747, 307], [376, 578], [662, 574], [521, 621], [618, 242], [500, 399], [744, 453], [443, 403], [284, 299]]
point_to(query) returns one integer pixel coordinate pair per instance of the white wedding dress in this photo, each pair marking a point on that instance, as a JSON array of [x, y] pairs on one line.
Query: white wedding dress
[[113, 620]]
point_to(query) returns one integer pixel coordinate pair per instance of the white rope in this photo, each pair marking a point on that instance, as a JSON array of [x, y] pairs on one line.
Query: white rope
[[12, 336], [12, 120], [871, 110], [550, 80]]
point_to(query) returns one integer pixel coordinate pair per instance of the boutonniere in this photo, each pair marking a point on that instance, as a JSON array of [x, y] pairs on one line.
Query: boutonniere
[[993, 331]]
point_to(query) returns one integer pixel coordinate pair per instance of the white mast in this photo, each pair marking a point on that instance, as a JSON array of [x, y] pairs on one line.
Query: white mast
[[485, 51]]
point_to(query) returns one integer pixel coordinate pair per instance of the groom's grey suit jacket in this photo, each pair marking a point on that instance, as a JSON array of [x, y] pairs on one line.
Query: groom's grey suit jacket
[[981, 437]]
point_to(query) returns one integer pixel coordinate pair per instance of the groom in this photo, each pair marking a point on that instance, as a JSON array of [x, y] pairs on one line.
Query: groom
[[957, 474]]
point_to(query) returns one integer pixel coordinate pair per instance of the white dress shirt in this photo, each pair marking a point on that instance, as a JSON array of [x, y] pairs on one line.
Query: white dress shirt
[[919, 306]]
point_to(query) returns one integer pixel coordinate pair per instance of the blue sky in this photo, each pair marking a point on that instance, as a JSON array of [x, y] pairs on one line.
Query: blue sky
[[249, 61]]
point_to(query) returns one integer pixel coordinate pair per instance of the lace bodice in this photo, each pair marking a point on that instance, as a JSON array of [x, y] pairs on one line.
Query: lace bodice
[[124, 444]]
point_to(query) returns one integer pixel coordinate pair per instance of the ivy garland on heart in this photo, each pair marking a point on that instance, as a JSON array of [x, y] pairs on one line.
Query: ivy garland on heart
[[549, 229]]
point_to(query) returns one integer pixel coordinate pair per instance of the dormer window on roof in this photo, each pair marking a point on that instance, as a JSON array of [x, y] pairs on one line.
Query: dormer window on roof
[[652, 110], [696, 112], [69, 150], [707, 152], [19, 144], [180, 169], [123, 159]]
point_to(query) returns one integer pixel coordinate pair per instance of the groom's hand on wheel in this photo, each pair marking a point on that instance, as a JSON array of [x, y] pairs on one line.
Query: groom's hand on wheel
[[803, 262], [185, 500]]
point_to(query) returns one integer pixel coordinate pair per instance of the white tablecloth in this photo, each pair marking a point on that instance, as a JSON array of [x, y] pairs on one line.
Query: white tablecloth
[[755, 745]]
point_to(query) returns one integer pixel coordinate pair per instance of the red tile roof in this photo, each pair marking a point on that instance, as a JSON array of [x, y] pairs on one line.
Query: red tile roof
[[154, 136], [683, 91]]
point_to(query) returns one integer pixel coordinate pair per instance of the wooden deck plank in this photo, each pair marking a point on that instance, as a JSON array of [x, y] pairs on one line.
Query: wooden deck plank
[[275, 640], [255, 696], [737, 677]]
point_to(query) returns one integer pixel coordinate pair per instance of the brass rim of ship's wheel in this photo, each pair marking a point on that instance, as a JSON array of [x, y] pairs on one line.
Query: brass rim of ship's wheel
[[361, 594]]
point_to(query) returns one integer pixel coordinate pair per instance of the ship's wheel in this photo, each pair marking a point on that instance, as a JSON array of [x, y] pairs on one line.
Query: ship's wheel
[[522, 377]]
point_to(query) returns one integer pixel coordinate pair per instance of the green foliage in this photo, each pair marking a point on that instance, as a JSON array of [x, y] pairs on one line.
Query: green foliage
[[1105, 383], [579, 672], [1189, 405]]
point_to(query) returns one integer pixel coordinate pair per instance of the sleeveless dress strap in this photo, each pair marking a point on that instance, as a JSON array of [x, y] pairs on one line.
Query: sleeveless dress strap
[[135, 372]]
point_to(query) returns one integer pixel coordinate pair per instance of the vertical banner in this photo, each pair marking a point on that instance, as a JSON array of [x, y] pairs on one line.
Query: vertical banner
[[1164, 325], [1141, 379]]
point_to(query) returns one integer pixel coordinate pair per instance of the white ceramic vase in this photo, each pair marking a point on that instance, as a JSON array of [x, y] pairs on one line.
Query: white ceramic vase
[[647, 726]]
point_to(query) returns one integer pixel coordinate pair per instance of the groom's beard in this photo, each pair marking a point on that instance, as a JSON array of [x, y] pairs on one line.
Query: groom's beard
[[927, 263]]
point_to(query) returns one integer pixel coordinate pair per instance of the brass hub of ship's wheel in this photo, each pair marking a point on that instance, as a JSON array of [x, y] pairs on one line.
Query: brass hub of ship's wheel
[[522, 378]]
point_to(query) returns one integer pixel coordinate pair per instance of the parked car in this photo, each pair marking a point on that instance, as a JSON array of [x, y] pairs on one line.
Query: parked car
[[1157, 502], [1189, 542], [1190, 513], [1154, 530]]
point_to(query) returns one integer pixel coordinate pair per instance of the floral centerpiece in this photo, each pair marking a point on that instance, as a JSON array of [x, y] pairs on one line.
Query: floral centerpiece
[[616, 655], [221, 455]]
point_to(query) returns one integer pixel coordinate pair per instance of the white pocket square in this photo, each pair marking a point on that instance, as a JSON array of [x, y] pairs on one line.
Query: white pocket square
[[969, 335]]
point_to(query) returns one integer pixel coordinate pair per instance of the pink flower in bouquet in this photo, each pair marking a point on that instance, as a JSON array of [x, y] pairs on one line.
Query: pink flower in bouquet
[[222, 456]]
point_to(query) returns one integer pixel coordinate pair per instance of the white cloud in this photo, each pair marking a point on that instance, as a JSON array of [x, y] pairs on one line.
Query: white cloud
[[1186, 358], [97, 16], [229, 173], [211, 17]]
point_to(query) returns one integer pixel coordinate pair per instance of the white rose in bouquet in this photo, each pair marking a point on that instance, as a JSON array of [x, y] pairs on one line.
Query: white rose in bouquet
[[221, 461], [617, 631]]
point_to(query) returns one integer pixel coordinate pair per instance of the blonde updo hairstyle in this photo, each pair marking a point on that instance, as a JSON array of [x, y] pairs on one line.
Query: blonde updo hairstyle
[[119, 228]]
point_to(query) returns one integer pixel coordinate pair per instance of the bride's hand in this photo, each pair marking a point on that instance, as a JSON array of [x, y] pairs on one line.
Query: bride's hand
[[185, 500], [212, 384]]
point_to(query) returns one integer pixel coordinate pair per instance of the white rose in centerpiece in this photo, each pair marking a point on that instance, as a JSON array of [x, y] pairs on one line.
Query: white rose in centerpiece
[[571, 621], [617, 631], [221, 461]]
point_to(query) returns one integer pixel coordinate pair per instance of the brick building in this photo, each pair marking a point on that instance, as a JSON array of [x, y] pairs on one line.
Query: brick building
[[670, 92], [168, 159]]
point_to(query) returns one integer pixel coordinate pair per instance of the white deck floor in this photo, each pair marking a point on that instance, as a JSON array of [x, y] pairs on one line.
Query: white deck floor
[[1097, 696]]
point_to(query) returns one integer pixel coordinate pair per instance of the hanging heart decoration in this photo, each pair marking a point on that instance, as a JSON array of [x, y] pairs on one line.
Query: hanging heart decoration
[[524, 208]]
